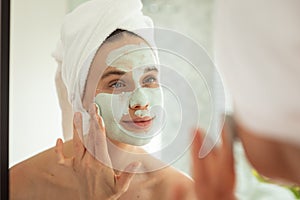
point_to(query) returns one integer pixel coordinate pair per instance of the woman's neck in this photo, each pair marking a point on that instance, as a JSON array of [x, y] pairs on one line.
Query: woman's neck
[[122, 154]]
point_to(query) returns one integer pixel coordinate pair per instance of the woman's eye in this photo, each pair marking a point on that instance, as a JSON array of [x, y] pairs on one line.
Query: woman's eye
[[117, 84], [149, 80]]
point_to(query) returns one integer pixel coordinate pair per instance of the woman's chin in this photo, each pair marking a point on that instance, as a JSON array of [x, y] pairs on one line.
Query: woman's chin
[[129, 141]]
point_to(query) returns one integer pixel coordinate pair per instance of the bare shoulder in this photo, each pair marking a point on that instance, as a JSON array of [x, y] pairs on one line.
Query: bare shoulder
[[178, 176], [20, 179], [27, 170], [32, 175], [39, 162], [173, 180]]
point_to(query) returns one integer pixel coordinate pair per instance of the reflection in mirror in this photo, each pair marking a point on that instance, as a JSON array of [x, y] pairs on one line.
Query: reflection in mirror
[[34, 33], [36, 119], [133, 92]]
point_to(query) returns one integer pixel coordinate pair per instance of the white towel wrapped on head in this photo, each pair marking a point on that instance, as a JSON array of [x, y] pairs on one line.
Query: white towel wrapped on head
[[83, 31]]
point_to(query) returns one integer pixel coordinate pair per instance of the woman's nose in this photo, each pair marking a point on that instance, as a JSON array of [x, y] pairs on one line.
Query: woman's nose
[[139, 100]]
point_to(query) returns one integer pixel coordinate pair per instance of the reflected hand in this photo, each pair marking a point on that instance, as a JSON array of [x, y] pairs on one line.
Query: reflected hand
[[214, 174], [95, 179]]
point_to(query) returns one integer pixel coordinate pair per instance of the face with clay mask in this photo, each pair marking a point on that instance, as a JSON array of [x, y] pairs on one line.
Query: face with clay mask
[[127, 92]]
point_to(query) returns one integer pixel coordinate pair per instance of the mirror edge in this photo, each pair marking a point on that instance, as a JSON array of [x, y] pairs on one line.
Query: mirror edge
[[4, 89]]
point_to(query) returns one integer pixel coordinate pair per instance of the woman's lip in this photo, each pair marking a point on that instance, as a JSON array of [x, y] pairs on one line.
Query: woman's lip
[[140, 122], [143, 123], [144, 119]]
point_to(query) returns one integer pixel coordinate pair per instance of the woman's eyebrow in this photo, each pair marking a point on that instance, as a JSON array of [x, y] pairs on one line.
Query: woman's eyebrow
[[113, 72], [120, 73], [149, 69]]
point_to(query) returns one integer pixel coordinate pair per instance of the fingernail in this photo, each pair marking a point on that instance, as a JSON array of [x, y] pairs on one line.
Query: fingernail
[[97, 109], [102, 122]]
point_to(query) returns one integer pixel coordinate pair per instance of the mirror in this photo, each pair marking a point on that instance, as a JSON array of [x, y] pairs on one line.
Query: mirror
[[4, 91], [35, 116], [34, 112]]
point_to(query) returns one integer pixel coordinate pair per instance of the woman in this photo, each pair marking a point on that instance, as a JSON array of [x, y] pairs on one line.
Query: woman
[[92, 71]]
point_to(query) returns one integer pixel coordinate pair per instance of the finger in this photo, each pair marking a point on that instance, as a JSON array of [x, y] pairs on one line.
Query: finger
[[59, 151], [124, 179], [99, 138], [60, 155], [78, 146], [100, 141], [203, 167], [93, 130], [227, 157], [227, 140], [102, 125], [198, 164], [90, 140], [197, 145]]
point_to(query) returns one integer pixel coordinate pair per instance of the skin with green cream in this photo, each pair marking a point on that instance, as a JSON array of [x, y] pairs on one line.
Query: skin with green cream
[[136, 61]]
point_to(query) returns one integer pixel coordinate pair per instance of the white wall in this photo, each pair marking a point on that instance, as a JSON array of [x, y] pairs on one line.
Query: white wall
[[34, 109]]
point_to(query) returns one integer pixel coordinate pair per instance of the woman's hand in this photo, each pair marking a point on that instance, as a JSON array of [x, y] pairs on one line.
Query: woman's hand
[[95, 179], [214, 174]]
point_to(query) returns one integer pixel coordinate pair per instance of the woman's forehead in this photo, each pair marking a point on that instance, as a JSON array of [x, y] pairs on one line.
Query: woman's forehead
[[130, 57], [139, 72], [110, 51], [99, 65]]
